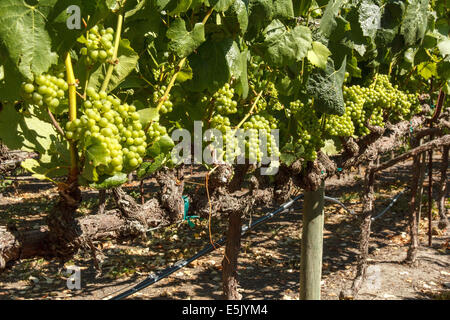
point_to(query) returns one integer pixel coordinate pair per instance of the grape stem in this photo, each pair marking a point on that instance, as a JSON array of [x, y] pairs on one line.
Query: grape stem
[[88, 72], [110, 70], [175, 75], [72, 114], [171, 83], [250, 112], [179, 67], [55, 123]]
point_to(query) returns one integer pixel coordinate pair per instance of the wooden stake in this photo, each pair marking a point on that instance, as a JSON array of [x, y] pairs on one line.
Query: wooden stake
[[312, 245]]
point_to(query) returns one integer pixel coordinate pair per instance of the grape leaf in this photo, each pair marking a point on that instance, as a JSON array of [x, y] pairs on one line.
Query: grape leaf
[[443, 70], [10, 79], [96, 152], [415, 21], [242, 83], [261, 13], [444, 47], [284, 47], [369, 18], [182, 6], [183, 42], [162, 146], [25, 131], [236, 18], [148, 114], [108, 182], [28, 131], [427, 69], [23, 33], [43, 171], [221, 5], [329, 148], [318, 54], [214, 63], [148, 168], [283, 9], [326, 88], [89, 173], [328, 21]]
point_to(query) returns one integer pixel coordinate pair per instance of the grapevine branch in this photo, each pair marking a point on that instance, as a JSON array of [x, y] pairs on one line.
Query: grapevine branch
[[175, 75], [250, 112], [55, 123], [110, 70], [72, 113]]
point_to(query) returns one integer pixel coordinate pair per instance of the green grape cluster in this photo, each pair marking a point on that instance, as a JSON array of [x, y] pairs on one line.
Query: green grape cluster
[[256, 126], [378, 102], [415, 107], [269, 96], [354, 106], [223, 100], [157, 72], [294, 107], [222, 123], [157, 95], [340, 126], [155, 131], [46, 90], [116, 125], [99, 45], [308, 129], [230, 141], [271, 90], [376, 118], [399, 105], [261, 105]]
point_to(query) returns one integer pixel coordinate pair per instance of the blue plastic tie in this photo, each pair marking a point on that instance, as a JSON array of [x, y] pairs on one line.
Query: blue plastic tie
[[186, 215]]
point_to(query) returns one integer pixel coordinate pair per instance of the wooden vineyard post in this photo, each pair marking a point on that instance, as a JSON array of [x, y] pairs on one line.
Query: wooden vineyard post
[[312, 245]]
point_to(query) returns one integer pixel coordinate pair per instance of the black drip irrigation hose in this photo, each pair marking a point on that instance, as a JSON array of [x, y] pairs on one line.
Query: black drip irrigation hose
[[207, 249], [394, 200], [336, 201]]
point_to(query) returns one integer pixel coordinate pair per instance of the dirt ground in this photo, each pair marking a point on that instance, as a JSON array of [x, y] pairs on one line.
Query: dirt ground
[[269, 263]]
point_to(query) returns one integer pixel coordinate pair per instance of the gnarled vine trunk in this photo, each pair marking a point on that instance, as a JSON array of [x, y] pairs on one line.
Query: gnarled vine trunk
[[230, 260], [366, 221], [442, 190], [65, 231], [413, 231]]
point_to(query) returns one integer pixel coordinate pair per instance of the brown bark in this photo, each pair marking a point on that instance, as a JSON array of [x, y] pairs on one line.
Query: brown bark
[[443, 220], [315, 172], [238, 177], [366, 221], [15, 245], [65, 231], [101, 201], [171, 194], [436, 143], [430, 196], [230, 260], [420, 189], [368, 148], [283, 185], [26, 244], [414, 244], [11, 159]]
